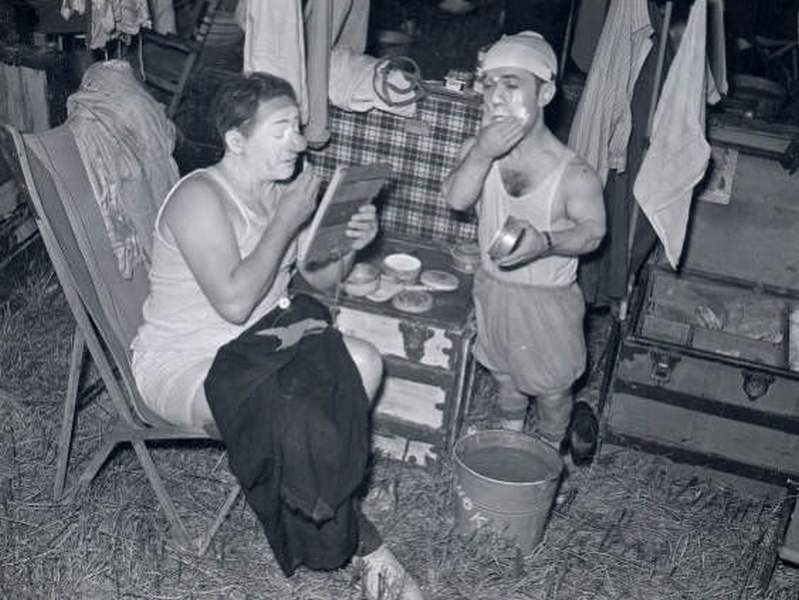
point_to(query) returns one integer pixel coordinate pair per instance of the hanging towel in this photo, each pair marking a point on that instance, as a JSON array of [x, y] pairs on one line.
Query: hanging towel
[[163, 16], [274, 42], [126, 142], [601, 127], [678, 153]]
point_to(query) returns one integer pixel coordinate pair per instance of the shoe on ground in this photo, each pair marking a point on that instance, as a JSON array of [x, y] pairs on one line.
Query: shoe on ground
[[384, 578], [583, 435]]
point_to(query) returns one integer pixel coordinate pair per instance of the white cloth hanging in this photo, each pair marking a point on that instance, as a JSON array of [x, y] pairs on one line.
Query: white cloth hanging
[[126, 143], [678, 152], [275, 43]]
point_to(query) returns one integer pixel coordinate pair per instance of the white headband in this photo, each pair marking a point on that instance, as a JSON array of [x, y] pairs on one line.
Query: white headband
[[527, 50]]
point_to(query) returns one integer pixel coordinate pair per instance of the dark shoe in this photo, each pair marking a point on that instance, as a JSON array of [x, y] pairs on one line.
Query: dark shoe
[[583, 435]]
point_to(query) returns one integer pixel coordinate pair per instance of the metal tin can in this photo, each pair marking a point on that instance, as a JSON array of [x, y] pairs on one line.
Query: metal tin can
[[506, 239]]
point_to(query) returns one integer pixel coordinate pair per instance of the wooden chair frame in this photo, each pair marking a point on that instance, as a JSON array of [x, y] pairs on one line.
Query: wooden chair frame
[[64, 235]]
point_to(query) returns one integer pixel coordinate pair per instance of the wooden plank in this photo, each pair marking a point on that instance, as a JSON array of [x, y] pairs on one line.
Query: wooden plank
[[399, 448], [433, 346], [706, 434], [753, 239], [712, 380], [789, 548], [413, 402], [692, 457]]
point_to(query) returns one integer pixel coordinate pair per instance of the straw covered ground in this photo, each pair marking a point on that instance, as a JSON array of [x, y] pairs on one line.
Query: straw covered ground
[[632, 525]]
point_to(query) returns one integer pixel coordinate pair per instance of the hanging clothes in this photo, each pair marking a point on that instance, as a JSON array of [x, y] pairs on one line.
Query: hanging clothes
[[163, 16], [603, 275], [23, 98], [601, 127], [587, 29], [126, 143], [678, 152], [275, 43], [110, 18], [717, 46]]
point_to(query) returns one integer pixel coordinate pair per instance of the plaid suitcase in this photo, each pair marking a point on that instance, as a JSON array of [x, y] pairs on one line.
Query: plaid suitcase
[[420, 150]]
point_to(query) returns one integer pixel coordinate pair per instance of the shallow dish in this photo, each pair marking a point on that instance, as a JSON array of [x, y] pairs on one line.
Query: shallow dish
[[413, 301], [440, 281], [362, 280]]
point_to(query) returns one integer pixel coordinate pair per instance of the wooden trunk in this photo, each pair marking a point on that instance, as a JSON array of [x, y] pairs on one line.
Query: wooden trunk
[[427, 358], [702, 372]]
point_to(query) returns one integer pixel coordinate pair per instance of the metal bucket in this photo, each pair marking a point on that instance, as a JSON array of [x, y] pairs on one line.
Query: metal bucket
[[507, 481]]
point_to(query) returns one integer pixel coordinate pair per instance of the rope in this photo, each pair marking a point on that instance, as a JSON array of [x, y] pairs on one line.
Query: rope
[[410, 71]]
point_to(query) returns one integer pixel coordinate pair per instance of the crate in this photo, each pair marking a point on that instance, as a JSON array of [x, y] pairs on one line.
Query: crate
[[702, 370], [427, 357]]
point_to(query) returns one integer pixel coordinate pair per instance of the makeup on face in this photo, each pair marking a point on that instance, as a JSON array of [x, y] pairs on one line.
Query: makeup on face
[[276, 141], [506, 95]]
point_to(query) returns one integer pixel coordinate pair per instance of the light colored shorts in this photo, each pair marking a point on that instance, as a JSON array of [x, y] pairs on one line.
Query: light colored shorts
[[171, 384], [534, 334]]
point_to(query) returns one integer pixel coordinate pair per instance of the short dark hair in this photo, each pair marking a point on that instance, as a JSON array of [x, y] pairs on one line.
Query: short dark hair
[[237, 102]]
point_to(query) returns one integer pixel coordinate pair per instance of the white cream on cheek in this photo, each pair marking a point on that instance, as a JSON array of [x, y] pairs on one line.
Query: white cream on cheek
[[279, 148], [517, 107]]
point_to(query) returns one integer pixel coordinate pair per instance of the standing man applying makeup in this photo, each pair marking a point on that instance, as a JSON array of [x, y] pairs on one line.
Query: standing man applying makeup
[[529, 307]]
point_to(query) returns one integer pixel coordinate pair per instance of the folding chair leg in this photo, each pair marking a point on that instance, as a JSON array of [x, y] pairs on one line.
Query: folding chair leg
[[463, 393], [97, 461], [70, 406], [205, 541], [163, 497]]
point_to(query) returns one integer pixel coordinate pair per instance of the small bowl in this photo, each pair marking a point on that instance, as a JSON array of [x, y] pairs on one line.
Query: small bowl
[[506, 239], [466, 257], [402, 267], [362, 280]]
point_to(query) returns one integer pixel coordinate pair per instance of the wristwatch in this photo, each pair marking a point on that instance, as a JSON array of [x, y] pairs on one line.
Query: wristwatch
[[548, 238]]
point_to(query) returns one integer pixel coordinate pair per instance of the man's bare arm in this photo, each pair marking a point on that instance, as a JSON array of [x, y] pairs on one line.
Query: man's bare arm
[[494, 140], [464, 184], [586, 209]]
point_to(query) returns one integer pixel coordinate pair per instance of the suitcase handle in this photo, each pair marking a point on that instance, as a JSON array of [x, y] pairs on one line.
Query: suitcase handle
[[756, 384], [662, 365]]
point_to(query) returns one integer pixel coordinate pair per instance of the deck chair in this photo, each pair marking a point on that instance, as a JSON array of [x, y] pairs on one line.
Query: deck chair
[[106, 307]]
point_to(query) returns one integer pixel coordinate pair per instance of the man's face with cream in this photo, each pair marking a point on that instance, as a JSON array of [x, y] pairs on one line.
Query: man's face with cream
[[513, 92]]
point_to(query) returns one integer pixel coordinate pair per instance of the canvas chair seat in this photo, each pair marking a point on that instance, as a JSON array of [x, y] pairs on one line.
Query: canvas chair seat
[[107, 310]]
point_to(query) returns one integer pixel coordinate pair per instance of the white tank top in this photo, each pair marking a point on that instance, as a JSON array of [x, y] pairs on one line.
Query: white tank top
[[177, 314], [539, 206]]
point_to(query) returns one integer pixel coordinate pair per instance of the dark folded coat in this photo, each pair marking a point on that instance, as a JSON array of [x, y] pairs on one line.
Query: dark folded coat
[[293, 414]]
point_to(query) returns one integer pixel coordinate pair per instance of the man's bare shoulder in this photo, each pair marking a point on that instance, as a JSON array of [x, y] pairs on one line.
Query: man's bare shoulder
[[195, 196], [199, 184], [581, 179]]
